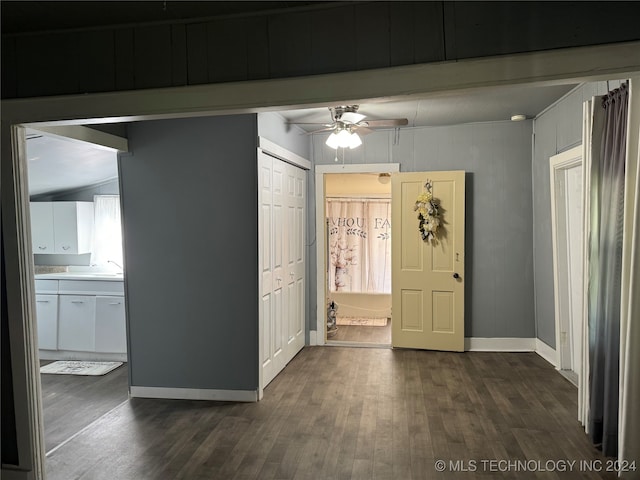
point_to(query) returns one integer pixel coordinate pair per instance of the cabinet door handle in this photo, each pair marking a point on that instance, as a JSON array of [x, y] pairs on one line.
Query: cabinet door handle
[[42, 301], [66, 247], [41, 247], [77, 301], [114, 303]]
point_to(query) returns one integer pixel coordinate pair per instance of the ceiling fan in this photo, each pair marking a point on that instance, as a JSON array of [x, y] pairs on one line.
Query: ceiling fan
[[347, 123]]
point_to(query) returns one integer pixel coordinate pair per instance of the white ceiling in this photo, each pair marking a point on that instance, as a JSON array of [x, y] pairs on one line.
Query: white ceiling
[[57, 164], [480, 105]]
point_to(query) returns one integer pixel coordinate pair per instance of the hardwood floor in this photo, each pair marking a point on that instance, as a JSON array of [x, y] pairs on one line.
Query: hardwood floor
[[71, 402], [349, 413], [359, 334]]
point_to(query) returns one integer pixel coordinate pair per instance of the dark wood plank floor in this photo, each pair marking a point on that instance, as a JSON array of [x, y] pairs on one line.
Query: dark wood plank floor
[[71, 402], [359, 334], [348, 413]]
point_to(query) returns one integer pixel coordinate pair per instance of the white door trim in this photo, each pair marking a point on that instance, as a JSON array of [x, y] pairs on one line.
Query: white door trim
[[319, 334], [22, 336], [558, 164], [275, 150]]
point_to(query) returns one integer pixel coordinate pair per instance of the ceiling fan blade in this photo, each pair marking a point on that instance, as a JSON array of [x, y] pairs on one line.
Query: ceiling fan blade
[[362, 130], [311, 123], [351, 117], [392, 122], [320, 130]]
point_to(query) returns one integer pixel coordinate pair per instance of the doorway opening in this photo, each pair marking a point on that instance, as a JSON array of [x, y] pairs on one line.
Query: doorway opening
[[353, 219], [358, 260], [74, 207], [567, 200]]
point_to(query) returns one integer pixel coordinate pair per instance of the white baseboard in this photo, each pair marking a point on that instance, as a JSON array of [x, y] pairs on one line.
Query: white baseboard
[[194, 394], [546, 352], [474, 344], [477, 344], [86, 356]]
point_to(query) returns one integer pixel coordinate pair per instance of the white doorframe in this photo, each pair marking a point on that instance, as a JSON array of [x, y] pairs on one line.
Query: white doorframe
[[559, 165], [319, 337]]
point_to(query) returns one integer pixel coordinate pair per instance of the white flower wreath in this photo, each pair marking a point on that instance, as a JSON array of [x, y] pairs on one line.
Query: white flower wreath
[[428, 213]]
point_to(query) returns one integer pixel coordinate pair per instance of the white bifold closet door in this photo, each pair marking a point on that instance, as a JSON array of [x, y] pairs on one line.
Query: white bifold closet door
[[281, 220]]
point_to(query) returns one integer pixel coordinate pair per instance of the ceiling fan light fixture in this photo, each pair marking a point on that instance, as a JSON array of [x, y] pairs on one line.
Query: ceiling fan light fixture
[[354, 141], [332, 141], [344, 139]]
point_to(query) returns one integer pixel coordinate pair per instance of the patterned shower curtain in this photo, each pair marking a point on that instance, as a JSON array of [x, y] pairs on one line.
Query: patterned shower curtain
[[359, 245], [605, 275]]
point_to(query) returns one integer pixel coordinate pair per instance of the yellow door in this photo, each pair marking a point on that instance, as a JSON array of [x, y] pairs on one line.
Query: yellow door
[[428, 276]]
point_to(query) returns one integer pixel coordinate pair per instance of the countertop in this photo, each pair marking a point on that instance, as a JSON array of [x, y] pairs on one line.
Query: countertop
[[112, 277]]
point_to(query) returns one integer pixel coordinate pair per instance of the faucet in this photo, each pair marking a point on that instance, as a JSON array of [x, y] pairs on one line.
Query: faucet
[[116, 264]]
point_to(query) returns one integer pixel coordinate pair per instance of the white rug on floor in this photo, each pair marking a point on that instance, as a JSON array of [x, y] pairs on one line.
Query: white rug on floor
[[73, 367], [363, 322]]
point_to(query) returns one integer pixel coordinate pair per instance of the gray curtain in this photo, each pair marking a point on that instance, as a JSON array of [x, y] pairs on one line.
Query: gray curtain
[[605, 272]]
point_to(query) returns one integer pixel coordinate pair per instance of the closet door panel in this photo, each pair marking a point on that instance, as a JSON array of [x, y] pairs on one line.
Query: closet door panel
[[281, 256], [265, 259], [265, 228], [297, 204]]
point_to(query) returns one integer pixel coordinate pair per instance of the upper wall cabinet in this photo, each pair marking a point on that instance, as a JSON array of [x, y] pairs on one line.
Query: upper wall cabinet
[[61, 227]]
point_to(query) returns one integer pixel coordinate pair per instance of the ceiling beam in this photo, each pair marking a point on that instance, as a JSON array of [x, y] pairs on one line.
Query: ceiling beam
[[85, 135], [551, 67]]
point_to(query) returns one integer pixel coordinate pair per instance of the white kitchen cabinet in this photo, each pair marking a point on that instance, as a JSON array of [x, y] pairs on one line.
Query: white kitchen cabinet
[[62, 227], [47, 316], [77, 322], [111, 335], [73, 227], [80, 318], [42, 227]]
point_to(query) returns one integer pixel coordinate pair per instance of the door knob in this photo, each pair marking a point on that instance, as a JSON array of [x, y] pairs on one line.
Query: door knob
[[455, 275]]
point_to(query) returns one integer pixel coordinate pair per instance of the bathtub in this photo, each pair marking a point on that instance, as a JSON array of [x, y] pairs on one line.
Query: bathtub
[[367, 305]]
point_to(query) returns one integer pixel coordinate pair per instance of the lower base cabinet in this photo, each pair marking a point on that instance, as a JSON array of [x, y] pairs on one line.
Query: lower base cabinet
[[110, 333], [47, 316], [76, 323], [85, 316]]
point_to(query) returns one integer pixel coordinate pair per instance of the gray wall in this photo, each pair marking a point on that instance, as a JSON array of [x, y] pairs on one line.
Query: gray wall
[[273, 126], [499, 258], [255, 47], [557, 129], [189, 196]]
